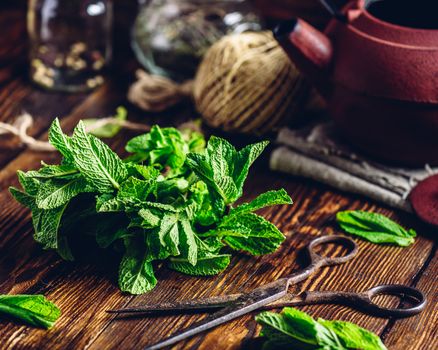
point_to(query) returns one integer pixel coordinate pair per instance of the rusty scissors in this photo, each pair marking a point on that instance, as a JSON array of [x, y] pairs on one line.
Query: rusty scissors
[[276, 294]]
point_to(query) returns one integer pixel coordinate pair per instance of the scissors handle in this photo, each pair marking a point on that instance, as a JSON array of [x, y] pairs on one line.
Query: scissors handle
[[364, 301], [317, 261]]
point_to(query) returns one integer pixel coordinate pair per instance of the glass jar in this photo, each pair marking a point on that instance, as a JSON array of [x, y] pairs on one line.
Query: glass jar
[[171, 36], [70, 43]]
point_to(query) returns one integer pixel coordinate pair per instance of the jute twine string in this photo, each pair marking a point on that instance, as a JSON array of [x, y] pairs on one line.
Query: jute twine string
[[155, 93], [245, 83], [22, 123]]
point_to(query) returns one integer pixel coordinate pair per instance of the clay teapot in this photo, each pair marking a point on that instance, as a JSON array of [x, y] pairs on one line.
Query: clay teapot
[[377, 68]]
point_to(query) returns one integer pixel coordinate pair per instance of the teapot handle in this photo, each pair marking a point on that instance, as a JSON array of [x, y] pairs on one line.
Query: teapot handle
[[310, 50]]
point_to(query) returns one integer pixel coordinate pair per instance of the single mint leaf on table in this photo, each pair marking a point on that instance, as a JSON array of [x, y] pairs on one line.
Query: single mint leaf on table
[[375, 228], [34, 310], [352, 336], [98, 164], [294, 329]]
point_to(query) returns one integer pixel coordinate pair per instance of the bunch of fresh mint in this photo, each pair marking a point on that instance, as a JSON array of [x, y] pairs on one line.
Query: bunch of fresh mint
[[172, 199]]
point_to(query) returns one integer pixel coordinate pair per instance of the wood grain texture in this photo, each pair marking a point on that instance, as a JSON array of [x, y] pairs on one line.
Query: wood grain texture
[[84, 290]]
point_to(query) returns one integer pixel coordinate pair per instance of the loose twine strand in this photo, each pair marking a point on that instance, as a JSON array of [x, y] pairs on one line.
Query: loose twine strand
[[24, 122]]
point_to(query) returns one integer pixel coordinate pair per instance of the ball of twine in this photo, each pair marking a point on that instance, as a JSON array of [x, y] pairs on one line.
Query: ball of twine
[[246, 83]]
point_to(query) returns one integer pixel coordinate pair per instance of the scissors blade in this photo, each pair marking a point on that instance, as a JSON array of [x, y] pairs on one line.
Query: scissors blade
[[208, 304], [201, 304], [245, 304]]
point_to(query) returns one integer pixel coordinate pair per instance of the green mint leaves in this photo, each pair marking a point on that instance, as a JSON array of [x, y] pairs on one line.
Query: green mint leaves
[[294, 329], [172, 200], [375, 228], [224, 169], [34, 310]]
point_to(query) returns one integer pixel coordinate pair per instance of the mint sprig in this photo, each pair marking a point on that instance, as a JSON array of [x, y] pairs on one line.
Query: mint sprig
[[172, 200], [375, 228], [294, 329], [34, 310]]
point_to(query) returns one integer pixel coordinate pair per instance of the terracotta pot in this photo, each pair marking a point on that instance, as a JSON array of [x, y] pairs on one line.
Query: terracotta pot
[[380, 79]]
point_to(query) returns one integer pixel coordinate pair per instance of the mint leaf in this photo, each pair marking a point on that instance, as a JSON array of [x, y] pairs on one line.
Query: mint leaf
[[55, 192], [45, 222], [264, 200], [34, 310], [294, 329], [352, 336], [244, 159], [137, 189], [136, 274], [96, 161], [149, 219], [105, 238], [22, 197], [60, 141], [169, 234], [375, 228], [189, 248], [223, 169], [29, 184], [274, 324], [53, 171], [108, 130], [141, 171], [165, 147], [249, 232], [207, 264]]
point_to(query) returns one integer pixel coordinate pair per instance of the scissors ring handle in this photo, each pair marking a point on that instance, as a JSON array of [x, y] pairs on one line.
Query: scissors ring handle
[[413, 294], [329, 261]]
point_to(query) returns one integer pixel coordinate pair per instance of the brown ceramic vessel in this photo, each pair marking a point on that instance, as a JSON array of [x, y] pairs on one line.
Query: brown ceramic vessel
[[379, 75]]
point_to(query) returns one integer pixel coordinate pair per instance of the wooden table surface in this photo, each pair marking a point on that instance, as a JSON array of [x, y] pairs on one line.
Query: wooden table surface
[[84, 291]]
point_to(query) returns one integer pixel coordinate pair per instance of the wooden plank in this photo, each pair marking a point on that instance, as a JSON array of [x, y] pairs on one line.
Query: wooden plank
[[85, 290], [85, 326], [374, 265], [419, 332]]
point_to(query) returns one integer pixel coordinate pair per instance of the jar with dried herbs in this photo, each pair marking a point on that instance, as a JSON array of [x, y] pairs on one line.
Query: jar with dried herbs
[[70, 43], [170, 36]]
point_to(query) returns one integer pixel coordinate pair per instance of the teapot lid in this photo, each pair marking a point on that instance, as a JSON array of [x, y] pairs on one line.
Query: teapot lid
[[376, 18]]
